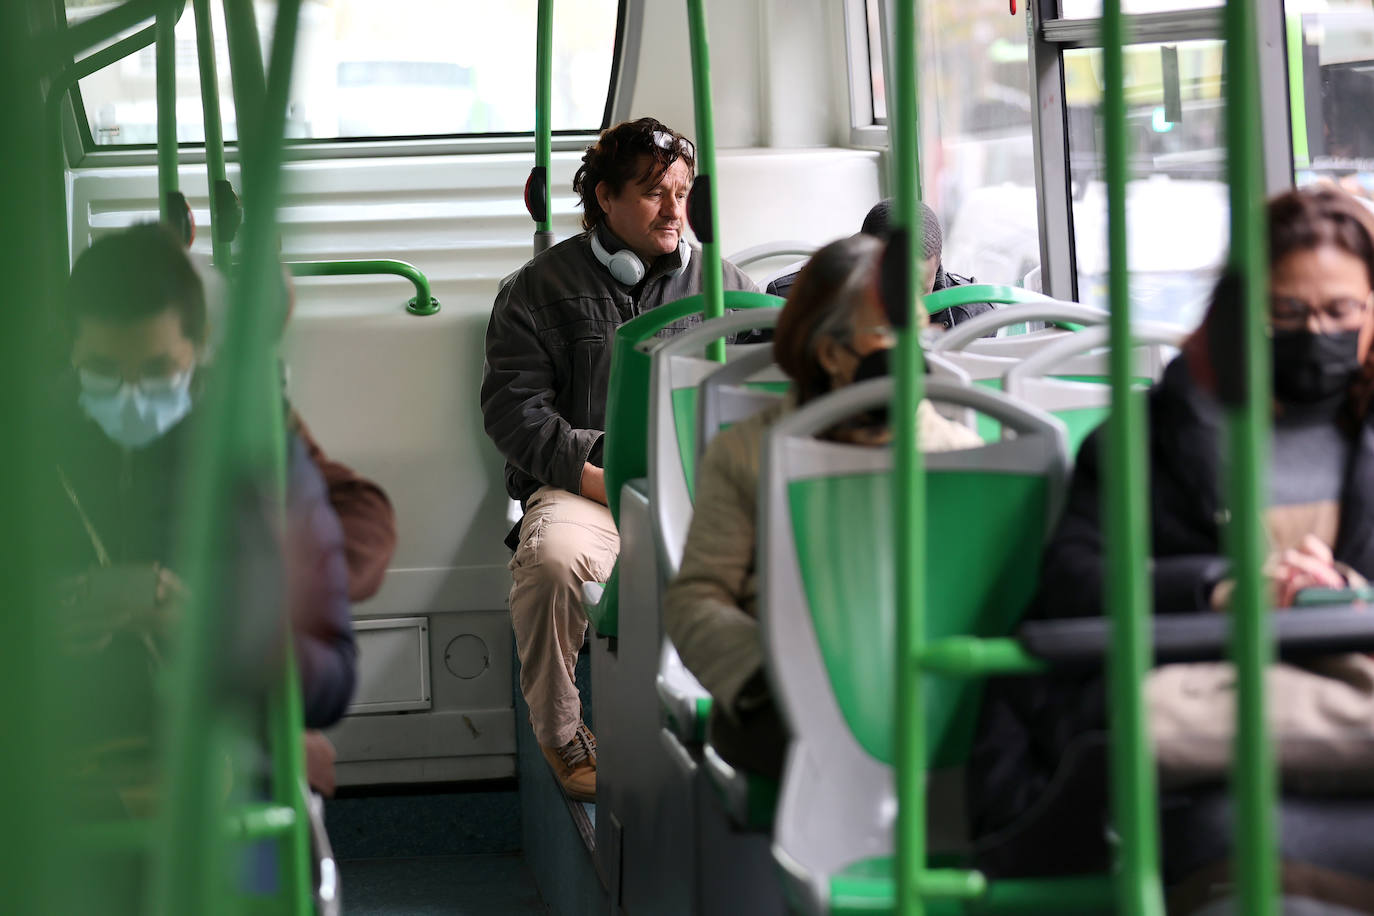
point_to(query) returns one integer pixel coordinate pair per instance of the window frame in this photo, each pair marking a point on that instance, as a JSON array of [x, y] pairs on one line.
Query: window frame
[[624, 64], [866, 131], [1052, 35]]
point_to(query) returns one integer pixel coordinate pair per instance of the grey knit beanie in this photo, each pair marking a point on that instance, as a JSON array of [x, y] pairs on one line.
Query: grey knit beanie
[[878, 223]]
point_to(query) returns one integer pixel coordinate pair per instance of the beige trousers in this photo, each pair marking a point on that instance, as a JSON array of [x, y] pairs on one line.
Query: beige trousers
[[565, 540]]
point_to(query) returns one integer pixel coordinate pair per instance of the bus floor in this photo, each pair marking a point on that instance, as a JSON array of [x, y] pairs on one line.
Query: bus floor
[[474, 849]]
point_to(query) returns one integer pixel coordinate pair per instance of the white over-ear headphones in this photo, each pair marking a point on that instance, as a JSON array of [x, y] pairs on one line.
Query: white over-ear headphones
[[626, 266]]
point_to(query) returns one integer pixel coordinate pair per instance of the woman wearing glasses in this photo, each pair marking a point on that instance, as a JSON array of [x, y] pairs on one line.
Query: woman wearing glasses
[[832, 332], [1320, 526]]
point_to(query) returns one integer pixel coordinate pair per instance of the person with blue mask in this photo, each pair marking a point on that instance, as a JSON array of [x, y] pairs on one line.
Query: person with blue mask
[[124, 423]]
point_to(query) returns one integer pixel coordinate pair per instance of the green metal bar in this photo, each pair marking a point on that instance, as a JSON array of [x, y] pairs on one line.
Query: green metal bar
[[1297, 91], [245, 64], [242, 442], [167, 182], [1252, 781], [712, 277], [422, 304], [951, 884], [106, 25], [1135, 806], [214, 131], [33, 858], [971, 657], [1053, 895], [543, 120], [910, 724], [286, 729]]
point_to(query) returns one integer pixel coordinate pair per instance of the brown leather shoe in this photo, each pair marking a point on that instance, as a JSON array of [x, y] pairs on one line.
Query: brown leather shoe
[[574, 765]]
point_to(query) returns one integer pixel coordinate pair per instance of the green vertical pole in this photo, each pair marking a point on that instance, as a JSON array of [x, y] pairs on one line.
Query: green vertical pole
[[30, 861], [245, 65], [712, 279], [910, 474], [1252, 782], [214, 131], [1135, 807], [165, 45], [1297, 91], [543, 121], [241, 443]]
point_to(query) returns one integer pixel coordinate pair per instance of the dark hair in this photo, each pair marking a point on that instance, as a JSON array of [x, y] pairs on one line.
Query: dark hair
[[615, 159], [1300, 220], [821, 303], [135, 274], [878, 223]]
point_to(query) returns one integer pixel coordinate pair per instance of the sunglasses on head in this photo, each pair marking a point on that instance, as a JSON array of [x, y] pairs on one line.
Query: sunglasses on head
[[667, 140]]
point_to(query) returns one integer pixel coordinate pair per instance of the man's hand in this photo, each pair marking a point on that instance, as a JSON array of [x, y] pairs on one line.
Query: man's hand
[[594, 483]]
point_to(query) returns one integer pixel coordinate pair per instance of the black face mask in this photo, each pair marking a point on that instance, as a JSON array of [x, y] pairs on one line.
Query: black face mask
[[877, 364], [1312, 368]]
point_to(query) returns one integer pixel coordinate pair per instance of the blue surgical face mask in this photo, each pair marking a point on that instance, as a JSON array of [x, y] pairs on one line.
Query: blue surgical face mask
[[134, 415]]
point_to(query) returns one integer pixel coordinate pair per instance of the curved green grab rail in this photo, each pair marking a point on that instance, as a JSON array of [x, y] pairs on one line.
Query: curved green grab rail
[[975, 293], [422, 304]]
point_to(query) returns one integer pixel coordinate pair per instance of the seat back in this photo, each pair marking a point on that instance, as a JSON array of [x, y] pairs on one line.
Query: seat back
[[1083, 399], [828, 609], [627, 397], [678, 366], [739, 389]]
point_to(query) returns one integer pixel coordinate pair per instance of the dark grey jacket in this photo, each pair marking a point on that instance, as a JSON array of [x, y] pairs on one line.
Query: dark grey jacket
[[549, 355]]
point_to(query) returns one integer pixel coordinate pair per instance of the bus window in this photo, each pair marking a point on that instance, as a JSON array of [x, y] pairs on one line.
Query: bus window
[[977, 155], [1177, 206], [364, 68], [1091, 9], [1331, 64]]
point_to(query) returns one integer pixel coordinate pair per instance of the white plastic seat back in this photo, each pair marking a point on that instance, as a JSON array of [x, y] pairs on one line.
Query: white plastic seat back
[[740, 389], [770, 250], [969, 339], [1035, 380], [679, 365], [827, 563]]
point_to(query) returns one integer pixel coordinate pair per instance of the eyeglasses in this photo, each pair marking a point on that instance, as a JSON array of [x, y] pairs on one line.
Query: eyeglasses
[[671, 142], [1287, 313], [883, 331], [98, 383]]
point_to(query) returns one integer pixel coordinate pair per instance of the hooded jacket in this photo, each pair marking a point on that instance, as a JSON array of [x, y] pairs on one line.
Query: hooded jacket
[[548, 354]]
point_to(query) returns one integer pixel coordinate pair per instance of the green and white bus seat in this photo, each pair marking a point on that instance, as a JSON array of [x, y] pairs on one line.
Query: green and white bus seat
[[644, 796], [828, 620], [1083, 402], [988, 359]]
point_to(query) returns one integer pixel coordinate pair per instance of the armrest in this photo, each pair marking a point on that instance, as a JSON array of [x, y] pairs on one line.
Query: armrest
[[1082, 642]]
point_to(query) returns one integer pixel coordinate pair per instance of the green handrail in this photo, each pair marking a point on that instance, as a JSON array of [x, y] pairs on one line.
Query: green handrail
[[1253, 780], [703, 199], [543, 127], [73, 39], [167, 179], [242, 440], [910, 723], [422, 304], [215, 173], [1135, 808]]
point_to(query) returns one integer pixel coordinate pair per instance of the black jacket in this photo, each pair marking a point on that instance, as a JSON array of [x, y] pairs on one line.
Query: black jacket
[[131, 499], [548, 353], [1030, 724], [945, 318]]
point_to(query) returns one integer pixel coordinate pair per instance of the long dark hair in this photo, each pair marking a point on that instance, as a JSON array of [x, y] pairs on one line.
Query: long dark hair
[[821, 303]]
